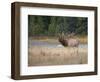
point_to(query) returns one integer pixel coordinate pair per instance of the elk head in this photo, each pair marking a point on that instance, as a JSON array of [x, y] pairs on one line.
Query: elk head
[[62, 39], [67, 41]]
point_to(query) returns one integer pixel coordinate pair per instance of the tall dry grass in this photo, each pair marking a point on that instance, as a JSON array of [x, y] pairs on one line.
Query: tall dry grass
[[41, 56]]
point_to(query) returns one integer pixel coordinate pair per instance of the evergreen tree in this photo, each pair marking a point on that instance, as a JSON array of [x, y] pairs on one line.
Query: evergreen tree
[[52, 26]]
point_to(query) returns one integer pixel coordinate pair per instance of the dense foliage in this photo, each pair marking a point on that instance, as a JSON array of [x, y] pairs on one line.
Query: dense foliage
[[54, 25]]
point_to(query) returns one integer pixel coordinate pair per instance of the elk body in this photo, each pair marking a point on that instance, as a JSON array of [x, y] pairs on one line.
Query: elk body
[[71, 42]]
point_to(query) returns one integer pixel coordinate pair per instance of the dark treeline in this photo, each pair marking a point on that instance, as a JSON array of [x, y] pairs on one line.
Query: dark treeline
[[54, 25]]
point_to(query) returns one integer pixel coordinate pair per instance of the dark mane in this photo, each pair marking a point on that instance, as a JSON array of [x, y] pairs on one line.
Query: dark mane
[[63, 41]]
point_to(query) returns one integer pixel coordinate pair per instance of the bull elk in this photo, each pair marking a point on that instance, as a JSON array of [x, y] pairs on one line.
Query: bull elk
[[69, 41]]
